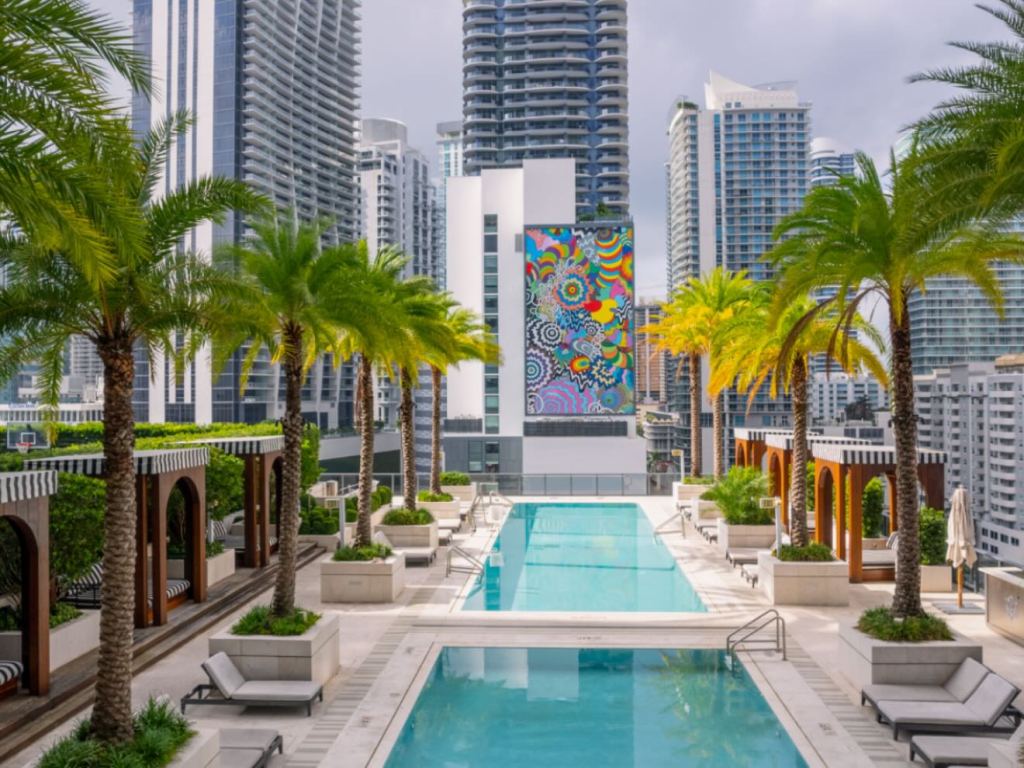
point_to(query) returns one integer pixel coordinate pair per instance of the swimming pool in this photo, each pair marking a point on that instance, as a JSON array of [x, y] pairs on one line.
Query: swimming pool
[[580, 557], [531, 707]]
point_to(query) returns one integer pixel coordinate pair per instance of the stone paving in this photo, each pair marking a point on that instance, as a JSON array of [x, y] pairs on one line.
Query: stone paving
[[387, 650]]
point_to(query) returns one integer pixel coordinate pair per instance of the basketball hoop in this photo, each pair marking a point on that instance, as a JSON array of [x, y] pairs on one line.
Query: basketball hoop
[[23, 447]]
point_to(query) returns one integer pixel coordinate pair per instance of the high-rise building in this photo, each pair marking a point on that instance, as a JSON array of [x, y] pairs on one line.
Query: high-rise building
[[736, 167], [651, 363], [547, 80], [272, 91], [829, 161], [833, 392], [451, 152]]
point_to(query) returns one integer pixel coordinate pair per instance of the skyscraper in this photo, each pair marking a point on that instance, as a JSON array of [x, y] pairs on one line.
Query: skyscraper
[[829, 161], [272, 90], [451, 152], [549, 80], [735, 169]]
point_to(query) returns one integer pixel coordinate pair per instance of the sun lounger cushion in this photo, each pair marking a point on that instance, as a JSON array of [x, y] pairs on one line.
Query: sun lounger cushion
[[224, 674], [990, 700], [953, 750], [741, 556], [965, 681], [247, 738], [177, 587], [10, 670], [449, 524], [239, 758], [983, 708], [958, 687], [276, 690], [879, 557]]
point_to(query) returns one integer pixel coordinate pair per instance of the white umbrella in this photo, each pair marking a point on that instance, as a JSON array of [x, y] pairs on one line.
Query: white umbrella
[[960, 540]]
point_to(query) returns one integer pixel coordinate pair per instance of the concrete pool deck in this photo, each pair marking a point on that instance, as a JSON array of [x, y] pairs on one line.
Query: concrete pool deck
[[387, 650]]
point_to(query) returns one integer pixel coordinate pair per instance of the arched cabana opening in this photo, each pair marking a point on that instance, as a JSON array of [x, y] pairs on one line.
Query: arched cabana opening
[[824, 504], [186, 539]]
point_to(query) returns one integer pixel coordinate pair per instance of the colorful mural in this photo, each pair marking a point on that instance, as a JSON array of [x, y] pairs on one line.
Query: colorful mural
[[579, 320]]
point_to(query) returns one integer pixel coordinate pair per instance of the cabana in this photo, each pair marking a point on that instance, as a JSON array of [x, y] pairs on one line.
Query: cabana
[[264, 459], [25, 505], [835, 463], [158, 473], [751, 444]]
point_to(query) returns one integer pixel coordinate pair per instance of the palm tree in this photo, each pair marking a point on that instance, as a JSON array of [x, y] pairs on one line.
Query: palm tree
[[760, 347], [57, 123], [297, 300], [690, 326], [156, 298], [868, 241]]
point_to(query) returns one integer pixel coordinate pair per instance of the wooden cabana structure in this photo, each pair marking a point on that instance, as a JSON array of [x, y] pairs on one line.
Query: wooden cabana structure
[[263, 457], [158, 473], [835, 463], [25, 505], [751, 444]]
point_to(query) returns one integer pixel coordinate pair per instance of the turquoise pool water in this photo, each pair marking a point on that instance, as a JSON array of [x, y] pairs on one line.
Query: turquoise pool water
[[580, 557], [532, 707]]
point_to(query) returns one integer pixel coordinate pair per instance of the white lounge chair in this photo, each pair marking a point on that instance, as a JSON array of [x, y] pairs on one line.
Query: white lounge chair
[[248, 747], [960, 685], [988, 708], [235, 690], [420, 555]]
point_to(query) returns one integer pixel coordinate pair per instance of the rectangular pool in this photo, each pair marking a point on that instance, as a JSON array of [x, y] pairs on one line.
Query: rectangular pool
[[530, 707], [580, 557]]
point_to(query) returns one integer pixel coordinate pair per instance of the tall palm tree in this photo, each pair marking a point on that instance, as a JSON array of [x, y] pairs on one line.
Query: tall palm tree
[[690, 325], [297, 301], [758, 347], [869, 241], [156, 297]]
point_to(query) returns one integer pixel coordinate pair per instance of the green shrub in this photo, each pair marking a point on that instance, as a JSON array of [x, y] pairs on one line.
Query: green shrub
[[225, 484], [318, 521], [882, 625], [428, 496], [701, 480], [60, 613], [810, 486], [871, 508], [454, 478], [260, 621], [160, 733], [384, 494], [738, 495], [933, 536], [405, 517], [362, 554], [214, 548], [812, 553], [178, 551]]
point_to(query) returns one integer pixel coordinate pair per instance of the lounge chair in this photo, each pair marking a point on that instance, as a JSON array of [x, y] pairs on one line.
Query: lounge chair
[[248, 747], [10, 675], [958, 688], [741, 556], [989, 708], [949, 751], [85, 593], [235, 690], [420, 555], [750, 573]]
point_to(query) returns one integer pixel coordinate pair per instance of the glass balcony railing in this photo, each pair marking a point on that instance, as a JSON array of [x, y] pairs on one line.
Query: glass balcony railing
[[508, 484]]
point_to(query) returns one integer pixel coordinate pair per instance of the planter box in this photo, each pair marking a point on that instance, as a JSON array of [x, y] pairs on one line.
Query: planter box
[[464, 493], [745, 536], [706, 510], [688, 491], [865, 660], [411, 535], [442, 510], [788, 583], [218, 567], [201, 751], [377, 581], [328, 541], [314, 655], [936, 578], [67, 642]]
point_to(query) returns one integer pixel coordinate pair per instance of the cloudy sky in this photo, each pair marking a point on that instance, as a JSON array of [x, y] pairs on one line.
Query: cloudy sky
[[851, 59]]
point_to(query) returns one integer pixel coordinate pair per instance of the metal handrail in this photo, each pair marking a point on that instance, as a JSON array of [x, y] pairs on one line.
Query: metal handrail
[[665, 523], [476, 565], [745, 634]]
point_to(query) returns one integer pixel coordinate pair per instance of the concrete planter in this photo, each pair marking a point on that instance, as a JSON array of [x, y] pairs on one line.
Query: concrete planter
[[441, 510], [707, 510], [788, 583], [375, 581], [936, 578], [865, 660], [327, 541], [688, 491], [744, 536], [67, 642], [314, 655], [411, 535], [464, 493], [201, 751], [218, 567]]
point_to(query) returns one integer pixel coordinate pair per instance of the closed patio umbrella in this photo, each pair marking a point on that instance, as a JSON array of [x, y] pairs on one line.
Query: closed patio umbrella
[[960, 540]]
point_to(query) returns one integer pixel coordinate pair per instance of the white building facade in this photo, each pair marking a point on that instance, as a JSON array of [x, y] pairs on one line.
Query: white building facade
[[831, 394]]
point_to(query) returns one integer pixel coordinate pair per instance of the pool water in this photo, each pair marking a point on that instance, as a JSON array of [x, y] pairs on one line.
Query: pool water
[[580, 557], [533, 707]]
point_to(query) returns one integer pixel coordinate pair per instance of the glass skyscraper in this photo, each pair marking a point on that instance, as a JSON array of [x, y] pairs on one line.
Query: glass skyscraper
[[545, 79], [829, 161]]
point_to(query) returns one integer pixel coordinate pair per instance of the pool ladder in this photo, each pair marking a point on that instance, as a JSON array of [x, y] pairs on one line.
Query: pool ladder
[[470, 564], [747, 635]]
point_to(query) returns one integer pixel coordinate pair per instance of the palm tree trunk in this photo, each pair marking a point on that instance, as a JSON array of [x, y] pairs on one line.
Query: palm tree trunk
[[364, 383], [718, 428], [798, 494], [112, 709], [405, 421], [435, 430], [283, 603], [695, 430], [907, 598]]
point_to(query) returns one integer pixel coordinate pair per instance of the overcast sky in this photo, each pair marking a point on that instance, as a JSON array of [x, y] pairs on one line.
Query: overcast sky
[[850, 58]]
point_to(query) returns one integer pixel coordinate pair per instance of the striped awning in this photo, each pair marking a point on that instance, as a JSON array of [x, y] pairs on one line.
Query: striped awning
[[22, 486], [758, 435], [873, 455], [244, 446], [155, 462], [785, 441]]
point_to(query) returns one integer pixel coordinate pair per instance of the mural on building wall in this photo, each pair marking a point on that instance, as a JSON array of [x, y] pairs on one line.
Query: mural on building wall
[[579, 320]]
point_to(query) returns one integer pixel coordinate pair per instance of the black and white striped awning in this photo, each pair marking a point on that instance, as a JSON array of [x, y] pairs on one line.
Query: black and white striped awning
[[22, 486], [875, 455], [156, 462], [785, 441], [244, 446], [758, 435]]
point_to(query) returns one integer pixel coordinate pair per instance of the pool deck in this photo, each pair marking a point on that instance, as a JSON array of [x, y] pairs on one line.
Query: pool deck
[[387, 651]]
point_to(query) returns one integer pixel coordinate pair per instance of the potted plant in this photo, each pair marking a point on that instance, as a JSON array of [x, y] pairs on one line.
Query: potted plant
[[458, 485], [220, 562], [440, 505], [936, 574], [73, 633], [691, 488], [808, 575], [372, 574], [410, 529], [301, 646], [743, 524]]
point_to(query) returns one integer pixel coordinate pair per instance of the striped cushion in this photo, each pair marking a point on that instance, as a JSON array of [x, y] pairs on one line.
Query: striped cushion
[[90, 581], [219, 529], [9, 670], [177, 587]]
